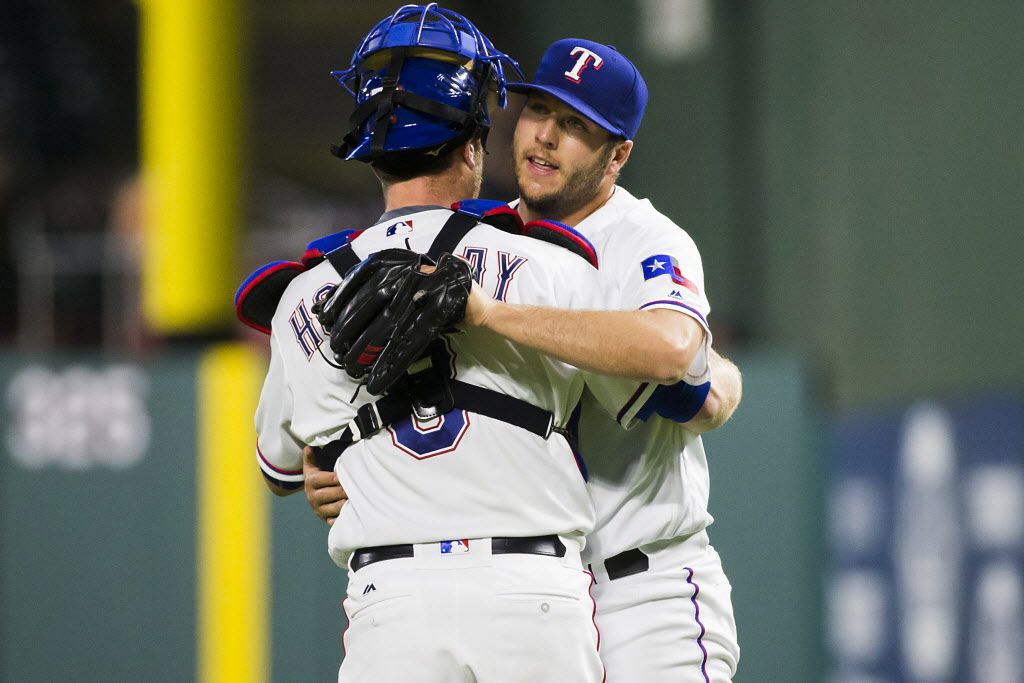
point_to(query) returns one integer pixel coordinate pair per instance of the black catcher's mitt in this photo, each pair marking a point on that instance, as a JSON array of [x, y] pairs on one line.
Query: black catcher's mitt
[[356, 313], [436, 303], [386, 312]]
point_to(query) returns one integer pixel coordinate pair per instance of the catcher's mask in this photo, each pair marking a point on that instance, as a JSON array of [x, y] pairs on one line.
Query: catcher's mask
[[421, 79]]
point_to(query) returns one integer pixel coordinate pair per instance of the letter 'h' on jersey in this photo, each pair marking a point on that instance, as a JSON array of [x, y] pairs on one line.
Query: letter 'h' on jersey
[[305, 332]]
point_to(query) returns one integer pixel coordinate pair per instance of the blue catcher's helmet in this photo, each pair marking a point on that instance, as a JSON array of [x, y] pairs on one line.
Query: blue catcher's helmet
[[421, 79]]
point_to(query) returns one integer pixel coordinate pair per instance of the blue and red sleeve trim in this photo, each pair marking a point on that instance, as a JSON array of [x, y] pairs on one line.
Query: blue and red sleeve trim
[[279, 476], [678, 304]]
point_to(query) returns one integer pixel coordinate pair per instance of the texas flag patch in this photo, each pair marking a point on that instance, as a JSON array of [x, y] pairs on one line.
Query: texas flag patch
[[662, 264]]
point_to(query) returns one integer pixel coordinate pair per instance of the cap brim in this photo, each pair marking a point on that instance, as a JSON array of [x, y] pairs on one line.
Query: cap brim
[[570, 99]]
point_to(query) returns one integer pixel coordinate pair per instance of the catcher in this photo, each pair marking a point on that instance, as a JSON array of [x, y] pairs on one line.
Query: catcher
[[467, 507]]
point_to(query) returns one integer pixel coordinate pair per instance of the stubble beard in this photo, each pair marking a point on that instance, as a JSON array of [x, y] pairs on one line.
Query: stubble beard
[[580, 188]]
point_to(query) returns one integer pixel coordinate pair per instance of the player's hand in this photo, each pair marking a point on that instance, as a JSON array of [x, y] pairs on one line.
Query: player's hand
[[478, 308], [323, 491]]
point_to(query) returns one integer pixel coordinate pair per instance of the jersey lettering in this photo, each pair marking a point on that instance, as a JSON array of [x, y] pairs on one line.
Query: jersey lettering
[[306, 333], [581, 63], [508, 264], [477, 258]]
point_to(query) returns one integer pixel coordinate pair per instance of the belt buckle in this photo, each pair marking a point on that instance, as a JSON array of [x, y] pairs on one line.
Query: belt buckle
[[459, 546]]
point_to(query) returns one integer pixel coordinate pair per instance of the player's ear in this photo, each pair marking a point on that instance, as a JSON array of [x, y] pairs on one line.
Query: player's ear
[[620, 155], [472, 152]]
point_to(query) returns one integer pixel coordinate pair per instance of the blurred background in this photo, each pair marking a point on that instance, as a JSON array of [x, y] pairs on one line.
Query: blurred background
[[851, 172]]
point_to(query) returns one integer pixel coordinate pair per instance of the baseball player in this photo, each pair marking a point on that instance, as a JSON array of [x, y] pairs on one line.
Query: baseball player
[[664, 606], [467, 508]]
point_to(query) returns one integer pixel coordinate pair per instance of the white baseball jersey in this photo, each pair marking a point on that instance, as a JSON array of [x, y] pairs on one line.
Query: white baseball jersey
[[674, 621], [651, 482], [464, 475]]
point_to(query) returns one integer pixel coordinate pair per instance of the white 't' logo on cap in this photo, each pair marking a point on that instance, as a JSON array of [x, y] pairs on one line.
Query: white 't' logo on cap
[[585, 57]]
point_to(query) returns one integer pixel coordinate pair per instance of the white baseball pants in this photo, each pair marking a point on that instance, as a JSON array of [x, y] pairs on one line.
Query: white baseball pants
[[672, 623], [471, 617]]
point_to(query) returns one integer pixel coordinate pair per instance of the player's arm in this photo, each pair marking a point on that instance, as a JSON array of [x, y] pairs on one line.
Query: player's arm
[[278, 452], [723, 398], [652, 346]]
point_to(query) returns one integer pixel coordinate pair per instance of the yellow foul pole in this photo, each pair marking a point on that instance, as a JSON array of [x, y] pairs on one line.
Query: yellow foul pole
[[191, 131], [191, 94], [233, 575]]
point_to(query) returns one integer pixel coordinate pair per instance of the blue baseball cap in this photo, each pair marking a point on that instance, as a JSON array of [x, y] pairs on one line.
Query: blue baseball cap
[[594, 79]]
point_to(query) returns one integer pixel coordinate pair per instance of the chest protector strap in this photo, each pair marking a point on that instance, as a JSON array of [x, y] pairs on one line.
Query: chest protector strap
[[373, 417], [454, 229], [343, 259], [426, 393]]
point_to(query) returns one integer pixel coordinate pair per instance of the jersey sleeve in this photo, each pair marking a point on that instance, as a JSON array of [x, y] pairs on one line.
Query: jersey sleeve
[[620, 398], [659, 266], [656, 265], [278, 453], [629, 403]]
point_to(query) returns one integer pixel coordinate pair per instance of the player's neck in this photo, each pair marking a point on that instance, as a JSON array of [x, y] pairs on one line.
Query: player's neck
[[442, 190], [574, 217]]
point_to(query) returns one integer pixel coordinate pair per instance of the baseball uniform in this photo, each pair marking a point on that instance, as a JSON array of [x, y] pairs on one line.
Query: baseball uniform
[[664, 605], [458, 608]]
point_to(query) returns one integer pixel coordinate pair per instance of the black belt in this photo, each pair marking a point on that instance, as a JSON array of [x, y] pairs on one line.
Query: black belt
[[626, 564], [551, 546]]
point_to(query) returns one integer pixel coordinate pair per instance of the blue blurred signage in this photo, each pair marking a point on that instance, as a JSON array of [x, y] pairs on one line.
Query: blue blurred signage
[[926, 539]]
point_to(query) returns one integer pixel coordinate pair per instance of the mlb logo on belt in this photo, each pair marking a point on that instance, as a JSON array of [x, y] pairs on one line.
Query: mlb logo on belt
[[455, 547], [663, 264]]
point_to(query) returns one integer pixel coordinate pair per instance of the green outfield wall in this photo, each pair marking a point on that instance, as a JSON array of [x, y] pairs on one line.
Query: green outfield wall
[[97, 492]]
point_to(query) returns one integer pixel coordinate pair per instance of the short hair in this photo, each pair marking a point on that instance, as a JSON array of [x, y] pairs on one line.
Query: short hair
[[401, 166]]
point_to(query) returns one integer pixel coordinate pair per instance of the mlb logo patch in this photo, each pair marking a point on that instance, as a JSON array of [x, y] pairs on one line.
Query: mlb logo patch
[[456, 547], [663, 264], [399, 228]]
